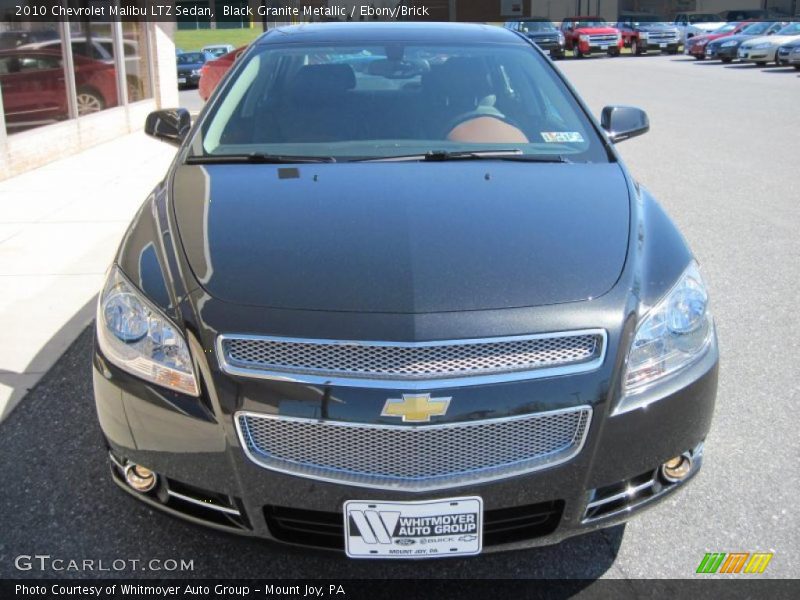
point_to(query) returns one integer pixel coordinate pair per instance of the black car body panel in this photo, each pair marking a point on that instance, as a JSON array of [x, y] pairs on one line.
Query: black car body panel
[[237, 248], [256, 239]]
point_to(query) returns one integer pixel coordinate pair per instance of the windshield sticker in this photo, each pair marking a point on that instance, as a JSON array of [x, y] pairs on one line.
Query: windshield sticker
[[561, 136]]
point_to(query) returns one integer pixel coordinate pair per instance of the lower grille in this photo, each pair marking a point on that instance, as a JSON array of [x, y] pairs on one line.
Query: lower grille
[[326, 529], [404, 457]]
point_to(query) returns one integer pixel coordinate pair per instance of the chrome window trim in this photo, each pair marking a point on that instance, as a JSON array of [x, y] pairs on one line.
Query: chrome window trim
[[415, 384], [408, 485]]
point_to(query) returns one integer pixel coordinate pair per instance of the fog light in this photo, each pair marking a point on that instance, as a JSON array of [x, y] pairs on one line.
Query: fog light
[[140, 478], [676, 469]]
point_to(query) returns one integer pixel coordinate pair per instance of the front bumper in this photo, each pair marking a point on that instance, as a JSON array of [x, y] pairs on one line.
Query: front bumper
[[788, 57], [756, 54], [188, 79], [205, 476]]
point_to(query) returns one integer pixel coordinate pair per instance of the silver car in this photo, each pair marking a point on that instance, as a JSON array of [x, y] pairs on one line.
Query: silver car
[[764, 49]]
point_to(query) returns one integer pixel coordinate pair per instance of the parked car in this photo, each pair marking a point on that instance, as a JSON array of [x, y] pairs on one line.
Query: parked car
[[189, 65], [643, 33], [590, 35], [214, 70], [696, 46], [217, 50], [726, 49], [789, 54], [34, 91], [764, 49], [102, 49], [443, 301], [690, 24], [541, 32]]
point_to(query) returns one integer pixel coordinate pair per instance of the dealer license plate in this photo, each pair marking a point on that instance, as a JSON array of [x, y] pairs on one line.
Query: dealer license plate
[[662, 45], [426, 529], [604, 47], [181, 79]]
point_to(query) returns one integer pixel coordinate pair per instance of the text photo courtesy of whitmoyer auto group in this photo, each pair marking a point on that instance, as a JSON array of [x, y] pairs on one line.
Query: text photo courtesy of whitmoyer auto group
[[399, 299]]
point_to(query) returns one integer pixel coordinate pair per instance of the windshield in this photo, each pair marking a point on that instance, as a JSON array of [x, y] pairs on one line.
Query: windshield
[[376, 101], [757, 28], [792, 29], [536, 26], [727, 28], [188, 58], [705, 18], [588, 23]]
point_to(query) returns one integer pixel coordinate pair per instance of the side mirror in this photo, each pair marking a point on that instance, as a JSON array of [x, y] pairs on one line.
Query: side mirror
[[624, 122], [169, 125]]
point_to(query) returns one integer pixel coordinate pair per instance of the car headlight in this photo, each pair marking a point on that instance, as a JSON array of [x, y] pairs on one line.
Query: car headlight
[[195, 71], [674, 333], [796, 50], [561, 38], [135, 336], [729, 44], [761, 46], [583, 38]]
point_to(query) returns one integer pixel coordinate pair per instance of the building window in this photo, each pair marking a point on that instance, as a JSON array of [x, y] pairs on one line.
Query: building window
[[32, 79]]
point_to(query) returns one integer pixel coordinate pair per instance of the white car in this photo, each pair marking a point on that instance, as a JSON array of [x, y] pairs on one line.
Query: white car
[[690, 24], [764, 49], [217, 50]]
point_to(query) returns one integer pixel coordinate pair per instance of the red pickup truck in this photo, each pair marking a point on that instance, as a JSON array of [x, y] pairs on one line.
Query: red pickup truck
[[591, 35]]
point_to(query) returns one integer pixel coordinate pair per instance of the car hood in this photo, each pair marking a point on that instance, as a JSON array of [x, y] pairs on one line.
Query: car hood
[[594, 30], [408, 237], [707, 26], [739, 37], [656, 27], [774, 40]]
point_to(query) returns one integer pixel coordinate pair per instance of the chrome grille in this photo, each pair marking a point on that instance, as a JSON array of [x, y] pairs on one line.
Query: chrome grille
[[603, 38], [412, 364], [662, 36], [414, 458]]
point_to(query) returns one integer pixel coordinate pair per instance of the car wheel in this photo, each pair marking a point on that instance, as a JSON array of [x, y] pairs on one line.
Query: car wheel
[[797, 67], [673, 51], [726, 60], [761, 63], [635, 47], [89, 101], [576, 52]]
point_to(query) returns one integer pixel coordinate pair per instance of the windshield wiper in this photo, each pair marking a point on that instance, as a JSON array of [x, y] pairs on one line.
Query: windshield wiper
[[256, 158], [444, 155]]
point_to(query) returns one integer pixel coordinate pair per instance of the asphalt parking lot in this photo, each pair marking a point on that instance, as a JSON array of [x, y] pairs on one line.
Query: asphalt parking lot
[[722, 156]]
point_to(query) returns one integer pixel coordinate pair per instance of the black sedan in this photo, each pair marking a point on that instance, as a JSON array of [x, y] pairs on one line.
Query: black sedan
[[189, 65], [789, 54], [402, 312], [541, 32], [726, 48]]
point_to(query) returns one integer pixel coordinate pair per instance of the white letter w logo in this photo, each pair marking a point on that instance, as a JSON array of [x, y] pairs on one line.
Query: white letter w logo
[[375, 527]]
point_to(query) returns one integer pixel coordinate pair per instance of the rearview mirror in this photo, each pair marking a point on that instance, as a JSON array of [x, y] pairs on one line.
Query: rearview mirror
[[624, 122], [169, 125]]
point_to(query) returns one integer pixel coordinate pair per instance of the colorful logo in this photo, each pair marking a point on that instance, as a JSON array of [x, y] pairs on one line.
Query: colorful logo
[[734, 562]]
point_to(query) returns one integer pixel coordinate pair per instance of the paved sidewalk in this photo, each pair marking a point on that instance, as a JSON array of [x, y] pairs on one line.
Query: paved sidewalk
[[59, 228]]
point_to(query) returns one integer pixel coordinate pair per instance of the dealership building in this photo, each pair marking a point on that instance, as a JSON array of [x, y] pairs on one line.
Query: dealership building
[[66, 86]]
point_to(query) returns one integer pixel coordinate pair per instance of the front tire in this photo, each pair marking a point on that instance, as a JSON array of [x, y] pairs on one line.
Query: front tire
[[727, 60], [89, 101], [635, 48]]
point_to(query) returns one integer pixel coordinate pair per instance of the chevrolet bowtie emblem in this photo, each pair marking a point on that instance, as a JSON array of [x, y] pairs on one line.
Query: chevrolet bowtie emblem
[[415, 408]]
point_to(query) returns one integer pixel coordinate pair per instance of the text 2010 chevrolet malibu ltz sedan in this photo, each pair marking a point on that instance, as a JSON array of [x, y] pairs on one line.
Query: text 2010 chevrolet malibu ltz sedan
[[399, 296]]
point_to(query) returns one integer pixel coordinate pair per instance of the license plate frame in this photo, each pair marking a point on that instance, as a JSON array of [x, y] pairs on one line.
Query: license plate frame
[[415, 529]]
